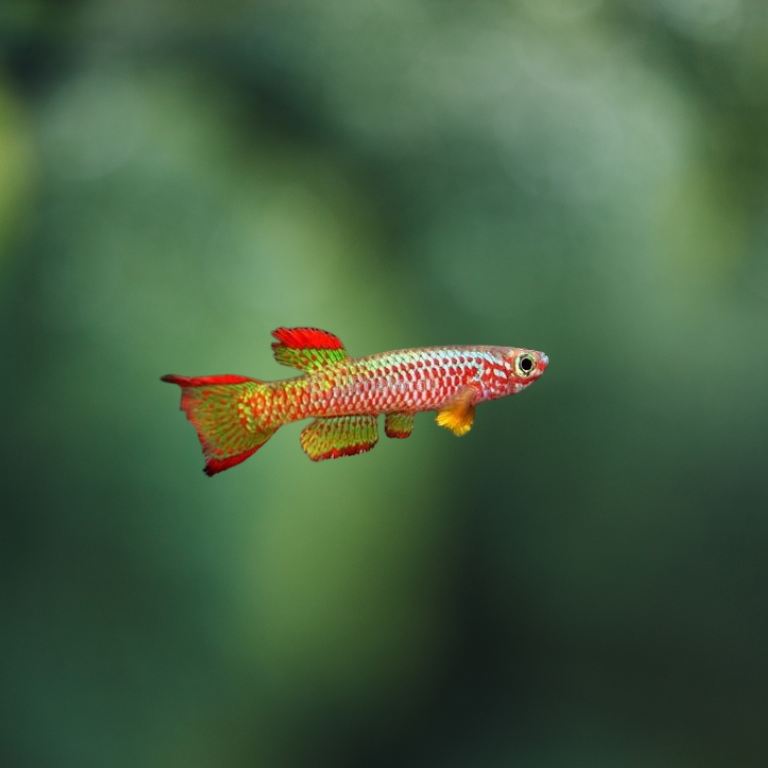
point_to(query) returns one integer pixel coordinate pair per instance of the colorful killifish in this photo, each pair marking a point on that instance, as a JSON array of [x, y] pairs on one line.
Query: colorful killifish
[[234, 415]]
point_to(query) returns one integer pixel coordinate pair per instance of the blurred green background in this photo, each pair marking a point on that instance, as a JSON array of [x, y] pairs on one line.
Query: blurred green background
[[583, 579]]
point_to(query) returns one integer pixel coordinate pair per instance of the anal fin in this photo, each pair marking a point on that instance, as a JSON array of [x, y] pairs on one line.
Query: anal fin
[[339, 436], [398, 424], [458, 413]]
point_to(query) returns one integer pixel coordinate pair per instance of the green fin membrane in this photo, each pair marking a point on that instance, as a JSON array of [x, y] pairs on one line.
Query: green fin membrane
[[339, 436]]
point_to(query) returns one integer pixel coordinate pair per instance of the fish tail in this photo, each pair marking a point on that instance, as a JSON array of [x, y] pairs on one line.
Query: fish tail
[[231, 416]]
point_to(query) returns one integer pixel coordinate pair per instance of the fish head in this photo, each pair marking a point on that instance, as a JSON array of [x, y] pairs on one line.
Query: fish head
[[523, 367]]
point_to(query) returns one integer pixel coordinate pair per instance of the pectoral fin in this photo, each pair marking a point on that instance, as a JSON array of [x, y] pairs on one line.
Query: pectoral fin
[[339, 436], [398, 424], [458, 413]]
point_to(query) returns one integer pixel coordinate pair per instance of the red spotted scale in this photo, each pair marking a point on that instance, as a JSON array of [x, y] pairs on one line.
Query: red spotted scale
[[235, 415]]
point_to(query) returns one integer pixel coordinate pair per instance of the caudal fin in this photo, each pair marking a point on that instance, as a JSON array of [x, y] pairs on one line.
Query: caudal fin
[[228, 414]]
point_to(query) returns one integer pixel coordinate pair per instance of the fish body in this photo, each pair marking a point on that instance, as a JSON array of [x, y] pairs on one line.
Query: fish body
[[236, 415]]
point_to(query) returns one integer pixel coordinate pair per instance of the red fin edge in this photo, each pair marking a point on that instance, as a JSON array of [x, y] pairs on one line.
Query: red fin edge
[[349, 450], [204, 381], [214, 466], [306, 338], [397, 434]]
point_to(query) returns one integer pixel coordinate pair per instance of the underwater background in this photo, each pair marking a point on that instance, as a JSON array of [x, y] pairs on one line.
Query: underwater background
[[582, 580]]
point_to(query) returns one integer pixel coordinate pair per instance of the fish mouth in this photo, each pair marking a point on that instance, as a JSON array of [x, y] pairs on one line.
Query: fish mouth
[[543, 362]]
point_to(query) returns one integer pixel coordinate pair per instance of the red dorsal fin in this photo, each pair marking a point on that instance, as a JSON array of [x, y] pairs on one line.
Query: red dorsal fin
[[307, 349], [303, 338]]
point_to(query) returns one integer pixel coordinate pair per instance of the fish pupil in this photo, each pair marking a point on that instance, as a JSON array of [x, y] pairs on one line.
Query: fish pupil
[[526, 364]]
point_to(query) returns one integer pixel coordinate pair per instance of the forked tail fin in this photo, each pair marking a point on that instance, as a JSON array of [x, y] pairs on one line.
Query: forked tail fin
[[228, 414]]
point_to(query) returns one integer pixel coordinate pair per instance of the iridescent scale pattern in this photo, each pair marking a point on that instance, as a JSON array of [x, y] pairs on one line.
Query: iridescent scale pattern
[[409, 380]]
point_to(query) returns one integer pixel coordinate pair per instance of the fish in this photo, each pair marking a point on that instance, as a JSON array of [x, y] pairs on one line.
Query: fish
[[235, 415]]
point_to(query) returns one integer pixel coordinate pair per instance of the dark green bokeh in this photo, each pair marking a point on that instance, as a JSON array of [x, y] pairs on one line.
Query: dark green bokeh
[[583, 579]]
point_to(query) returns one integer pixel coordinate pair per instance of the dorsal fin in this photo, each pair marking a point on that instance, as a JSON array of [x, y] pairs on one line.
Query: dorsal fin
[[307, 349]]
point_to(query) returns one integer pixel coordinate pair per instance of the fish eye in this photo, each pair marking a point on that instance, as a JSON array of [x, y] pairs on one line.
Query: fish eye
[[525, 364]]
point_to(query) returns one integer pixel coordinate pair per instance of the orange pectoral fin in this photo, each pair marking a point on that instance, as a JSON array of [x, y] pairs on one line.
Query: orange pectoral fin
[[458, 414]]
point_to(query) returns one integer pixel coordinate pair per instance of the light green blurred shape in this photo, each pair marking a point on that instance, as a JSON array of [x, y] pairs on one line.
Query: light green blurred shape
[[182, 257], [93, 123], [712, 21], [562, 11], [702, 235], [576, 125], [334, 596], [18, 169]]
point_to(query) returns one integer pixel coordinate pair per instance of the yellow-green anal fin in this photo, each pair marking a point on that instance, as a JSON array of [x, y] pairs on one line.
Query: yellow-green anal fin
[[398, 424], [458, 413], [307, 349], [339, 436]]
